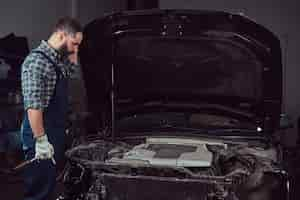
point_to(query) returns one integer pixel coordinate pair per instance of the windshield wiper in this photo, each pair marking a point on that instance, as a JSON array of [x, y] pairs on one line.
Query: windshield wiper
[[224, 133], [206, 130], [233, 130]]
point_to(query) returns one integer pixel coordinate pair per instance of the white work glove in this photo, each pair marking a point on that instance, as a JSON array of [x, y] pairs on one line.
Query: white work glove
[[44, 149]]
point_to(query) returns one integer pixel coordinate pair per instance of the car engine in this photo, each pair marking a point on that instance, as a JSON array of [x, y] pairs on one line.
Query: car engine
[[174, 168], [168, 152]]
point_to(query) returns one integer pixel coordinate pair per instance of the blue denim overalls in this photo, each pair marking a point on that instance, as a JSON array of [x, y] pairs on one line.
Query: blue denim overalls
[[40, 176]]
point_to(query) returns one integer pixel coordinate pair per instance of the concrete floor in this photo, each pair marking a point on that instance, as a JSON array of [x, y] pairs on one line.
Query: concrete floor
[[11, 184], [12, 188]]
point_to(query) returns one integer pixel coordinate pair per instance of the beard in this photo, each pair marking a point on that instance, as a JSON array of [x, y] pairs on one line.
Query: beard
[[63, 50]]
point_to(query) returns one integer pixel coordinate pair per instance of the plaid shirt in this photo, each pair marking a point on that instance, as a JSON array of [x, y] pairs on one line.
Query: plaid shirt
[[38, 76]]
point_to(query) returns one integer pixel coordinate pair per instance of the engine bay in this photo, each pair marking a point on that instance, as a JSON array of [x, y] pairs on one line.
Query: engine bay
[[221, 169]]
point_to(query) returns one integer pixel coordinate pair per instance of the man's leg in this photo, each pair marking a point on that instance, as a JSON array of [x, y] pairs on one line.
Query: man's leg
[[39, 178], [3, 151]]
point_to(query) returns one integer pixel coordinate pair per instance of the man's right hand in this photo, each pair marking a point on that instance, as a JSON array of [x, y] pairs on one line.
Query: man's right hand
[[44, 149]]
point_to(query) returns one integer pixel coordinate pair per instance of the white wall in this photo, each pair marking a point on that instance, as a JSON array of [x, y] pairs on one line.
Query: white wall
[[281, 17]]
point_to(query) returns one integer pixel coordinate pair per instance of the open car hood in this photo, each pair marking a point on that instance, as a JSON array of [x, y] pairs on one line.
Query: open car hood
[[155, 58]]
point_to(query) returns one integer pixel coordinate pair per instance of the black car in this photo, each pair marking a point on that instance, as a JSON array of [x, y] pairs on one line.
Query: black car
[[186, 105]]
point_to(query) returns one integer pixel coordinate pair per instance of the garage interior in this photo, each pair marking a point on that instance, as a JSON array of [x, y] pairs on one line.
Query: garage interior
[[25, 23]]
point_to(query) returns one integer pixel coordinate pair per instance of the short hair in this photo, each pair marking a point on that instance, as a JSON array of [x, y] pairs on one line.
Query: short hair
[[68, 25]]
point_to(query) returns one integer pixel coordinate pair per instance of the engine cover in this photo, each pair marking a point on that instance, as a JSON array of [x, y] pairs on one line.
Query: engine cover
[[170, 152]]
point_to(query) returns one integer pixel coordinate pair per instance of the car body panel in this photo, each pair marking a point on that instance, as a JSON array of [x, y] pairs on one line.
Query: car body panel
[[188, 103], [182, 56]]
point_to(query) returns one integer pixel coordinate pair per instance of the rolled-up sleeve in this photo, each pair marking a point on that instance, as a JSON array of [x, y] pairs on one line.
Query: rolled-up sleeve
[[33, 83]]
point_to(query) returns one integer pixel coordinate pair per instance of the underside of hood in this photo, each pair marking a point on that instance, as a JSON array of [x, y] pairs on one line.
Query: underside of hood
[[133, 58]]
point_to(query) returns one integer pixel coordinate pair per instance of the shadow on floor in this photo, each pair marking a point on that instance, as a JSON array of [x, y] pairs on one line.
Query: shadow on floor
[[12, 187]]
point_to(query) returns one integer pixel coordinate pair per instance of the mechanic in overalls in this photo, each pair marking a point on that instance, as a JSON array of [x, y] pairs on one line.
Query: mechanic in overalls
[[44, 87]]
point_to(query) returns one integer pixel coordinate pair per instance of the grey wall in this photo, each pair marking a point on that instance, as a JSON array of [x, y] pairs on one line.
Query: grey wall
[[91, 9], [283, 18], [31, 18], [34, 19]]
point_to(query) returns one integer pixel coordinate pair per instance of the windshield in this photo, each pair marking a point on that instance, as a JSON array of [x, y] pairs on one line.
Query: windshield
[[164, 121]]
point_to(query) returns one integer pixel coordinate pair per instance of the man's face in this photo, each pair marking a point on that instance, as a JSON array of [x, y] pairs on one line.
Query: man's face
[[71, 44]]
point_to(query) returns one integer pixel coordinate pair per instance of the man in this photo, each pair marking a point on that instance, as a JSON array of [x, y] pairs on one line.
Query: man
[[44, 88]]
